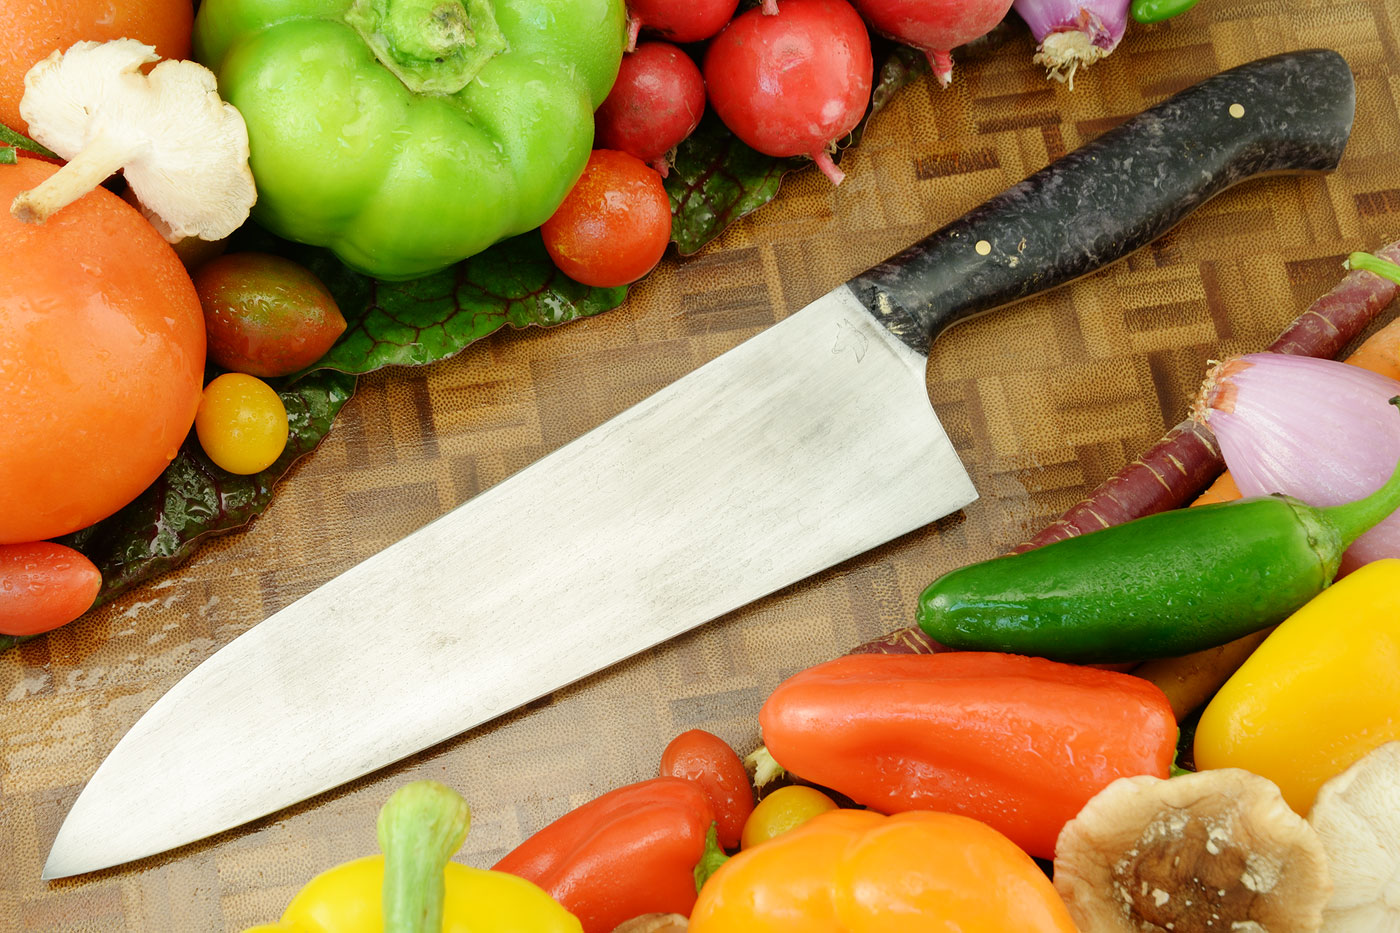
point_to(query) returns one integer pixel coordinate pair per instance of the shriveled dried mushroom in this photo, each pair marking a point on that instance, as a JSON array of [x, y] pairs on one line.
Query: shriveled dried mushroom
[[1214, 852], [655, 923], [1357, 815], [183, 151]]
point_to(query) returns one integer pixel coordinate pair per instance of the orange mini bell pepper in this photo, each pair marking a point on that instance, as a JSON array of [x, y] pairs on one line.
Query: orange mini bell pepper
[[854, 871], [1019, 743]]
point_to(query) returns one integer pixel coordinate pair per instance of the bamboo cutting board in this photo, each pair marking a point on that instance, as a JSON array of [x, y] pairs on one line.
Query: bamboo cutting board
[[1042, 402]]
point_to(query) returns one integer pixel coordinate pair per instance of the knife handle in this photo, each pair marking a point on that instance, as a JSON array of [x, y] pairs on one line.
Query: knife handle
[[1290, 113]]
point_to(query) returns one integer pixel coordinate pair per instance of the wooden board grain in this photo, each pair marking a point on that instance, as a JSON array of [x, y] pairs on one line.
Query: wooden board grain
[[1043, 401]]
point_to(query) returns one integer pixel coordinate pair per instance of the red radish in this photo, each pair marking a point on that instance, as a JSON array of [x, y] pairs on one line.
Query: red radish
[[656, 102], [934, 27], [795, 82], [679, 20]]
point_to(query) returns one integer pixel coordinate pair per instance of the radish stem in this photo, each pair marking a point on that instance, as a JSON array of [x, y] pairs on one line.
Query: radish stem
[[828, 167]]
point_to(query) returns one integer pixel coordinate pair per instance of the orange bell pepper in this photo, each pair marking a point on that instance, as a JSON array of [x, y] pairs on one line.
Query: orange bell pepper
[[854, 871], [1018, 743]]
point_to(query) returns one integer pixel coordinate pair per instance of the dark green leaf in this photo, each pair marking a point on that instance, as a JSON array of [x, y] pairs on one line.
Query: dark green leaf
[[193, 498], [428, 319], [10, 138]]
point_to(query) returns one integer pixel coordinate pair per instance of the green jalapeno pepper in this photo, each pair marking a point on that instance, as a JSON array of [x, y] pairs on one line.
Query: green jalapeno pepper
[[1161, 586], [1154, 11]]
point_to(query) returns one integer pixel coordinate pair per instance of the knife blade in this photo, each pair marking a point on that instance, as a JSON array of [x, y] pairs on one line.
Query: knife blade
[[806, 445]]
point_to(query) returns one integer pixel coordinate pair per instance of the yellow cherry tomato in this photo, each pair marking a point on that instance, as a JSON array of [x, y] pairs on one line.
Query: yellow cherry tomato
[[241, 423], [786, 808]]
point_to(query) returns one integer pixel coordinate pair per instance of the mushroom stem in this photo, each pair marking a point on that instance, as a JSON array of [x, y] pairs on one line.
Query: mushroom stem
[[99, 160]]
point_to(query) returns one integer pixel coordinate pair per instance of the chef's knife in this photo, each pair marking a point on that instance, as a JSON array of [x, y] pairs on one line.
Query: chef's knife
[[804, 446]]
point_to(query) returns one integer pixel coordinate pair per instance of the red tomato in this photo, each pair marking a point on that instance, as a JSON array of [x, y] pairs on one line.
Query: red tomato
[[614, 224], [705, 758], [42, 586]]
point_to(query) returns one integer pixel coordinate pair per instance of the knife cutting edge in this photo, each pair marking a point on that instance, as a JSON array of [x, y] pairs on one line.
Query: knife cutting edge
[[802, 447]]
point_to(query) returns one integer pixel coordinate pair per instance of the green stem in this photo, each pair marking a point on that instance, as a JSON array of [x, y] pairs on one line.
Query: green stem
[[432, 46], [712, 858], [10, 138], [1356, 518], [420, 827], [1376, 265]]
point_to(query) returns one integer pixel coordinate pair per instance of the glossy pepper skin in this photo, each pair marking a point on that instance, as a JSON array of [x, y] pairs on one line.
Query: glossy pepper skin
[[630, 852], [409, 134], [1018, 743], [1162, 586], [414, 888], [1320, 693], [853, 871]]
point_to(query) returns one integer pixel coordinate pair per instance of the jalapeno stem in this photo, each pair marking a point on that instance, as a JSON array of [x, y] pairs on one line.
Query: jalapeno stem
[[1356, 518], [420, 827], [1376, 265]]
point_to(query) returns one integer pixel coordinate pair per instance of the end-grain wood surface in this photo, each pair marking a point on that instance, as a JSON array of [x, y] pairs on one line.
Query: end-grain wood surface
[[1042, 401]]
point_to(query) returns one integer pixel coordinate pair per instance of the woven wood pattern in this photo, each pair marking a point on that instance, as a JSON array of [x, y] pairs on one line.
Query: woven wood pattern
[[1042, 401]]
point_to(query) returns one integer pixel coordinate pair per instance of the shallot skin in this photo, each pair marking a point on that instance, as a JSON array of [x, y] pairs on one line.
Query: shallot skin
[[1318, 430], [1071, 34], [934, 27]]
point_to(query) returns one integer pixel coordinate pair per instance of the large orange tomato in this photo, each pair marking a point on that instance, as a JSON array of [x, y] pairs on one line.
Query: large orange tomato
[[101, 359], [34, 28]]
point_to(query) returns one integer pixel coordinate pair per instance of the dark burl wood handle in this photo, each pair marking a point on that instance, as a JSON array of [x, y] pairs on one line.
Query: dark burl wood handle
[[1290, 113]]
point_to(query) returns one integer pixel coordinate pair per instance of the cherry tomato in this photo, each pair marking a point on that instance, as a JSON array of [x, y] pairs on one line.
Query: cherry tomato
[[707, 759], [614, 224], [265, 315], [786, 808], [44, 585], [241, 423]]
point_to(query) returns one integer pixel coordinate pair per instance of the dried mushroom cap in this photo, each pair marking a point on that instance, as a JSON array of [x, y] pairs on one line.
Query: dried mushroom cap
[[1214, 852], [655, 923], [184, 151], [1357, 815]]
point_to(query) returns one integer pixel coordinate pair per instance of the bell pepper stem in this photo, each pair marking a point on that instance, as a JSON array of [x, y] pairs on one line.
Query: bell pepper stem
[[432, 46], [712, 858], [765, 767], [1376, 265], [420, 827], [1356, 518]]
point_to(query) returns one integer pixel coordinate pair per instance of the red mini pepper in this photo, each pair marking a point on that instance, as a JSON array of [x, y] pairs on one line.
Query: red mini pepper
[[630, 852], [1019, 743]]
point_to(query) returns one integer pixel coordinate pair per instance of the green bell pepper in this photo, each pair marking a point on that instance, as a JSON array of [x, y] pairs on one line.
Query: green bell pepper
[[407, 135]]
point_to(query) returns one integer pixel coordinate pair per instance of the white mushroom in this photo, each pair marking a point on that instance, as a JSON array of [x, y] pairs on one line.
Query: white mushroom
[[1215, 851], [1357, 814], [184, 151]]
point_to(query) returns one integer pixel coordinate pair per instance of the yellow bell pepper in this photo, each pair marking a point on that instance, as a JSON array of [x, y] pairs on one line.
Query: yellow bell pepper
[[856, 871], [414, 888], [1322, 691]]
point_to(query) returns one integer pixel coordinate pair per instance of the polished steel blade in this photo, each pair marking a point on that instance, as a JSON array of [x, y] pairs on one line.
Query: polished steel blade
[[804, 446]]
